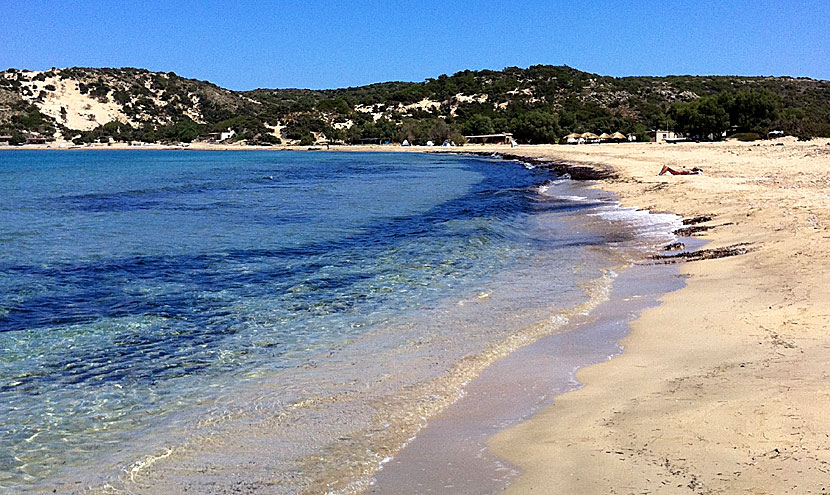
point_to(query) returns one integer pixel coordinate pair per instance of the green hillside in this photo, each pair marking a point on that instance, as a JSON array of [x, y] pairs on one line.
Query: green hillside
[[539, 104]]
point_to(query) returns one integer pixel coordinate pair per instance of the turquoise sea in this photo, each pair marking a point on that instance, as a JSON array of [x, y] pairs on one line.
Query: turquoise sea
[[168, 317]]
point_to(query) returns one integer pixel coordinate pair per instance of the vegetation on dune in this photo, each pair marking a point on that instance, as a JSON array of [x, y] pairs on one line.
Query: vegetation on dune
[[538, 104], [20, 120], [747, 112]]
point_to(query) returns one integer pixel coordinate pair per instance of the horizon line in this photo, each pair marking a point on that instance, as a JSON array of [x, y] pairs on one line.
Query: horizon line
[[288, 88]]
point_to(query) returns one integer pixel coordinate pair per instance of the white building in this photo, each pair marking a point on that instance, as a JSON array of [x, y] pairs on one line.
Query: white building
[[662, 136]]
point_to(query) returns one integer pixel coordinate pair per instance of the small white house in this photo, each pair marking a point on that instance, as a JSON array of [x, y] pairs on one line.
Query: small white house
[[217, 137], [662, 136]]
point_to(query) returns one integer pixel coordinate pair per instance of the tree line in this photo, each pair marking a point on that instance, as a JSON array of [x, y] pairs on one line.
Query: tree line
[[750, 113], [746, 112], [539, 104]]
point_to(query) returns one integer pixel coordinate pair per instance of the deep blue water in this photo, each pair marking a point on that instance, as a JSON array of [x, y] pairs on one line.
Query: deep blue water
[[132, 280]]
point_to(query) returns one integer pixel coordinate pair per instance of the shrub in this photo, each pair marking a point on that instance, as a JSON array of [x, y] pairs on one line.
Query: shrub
[[336, 105], [121, 96], [17, 138], [746, 136]]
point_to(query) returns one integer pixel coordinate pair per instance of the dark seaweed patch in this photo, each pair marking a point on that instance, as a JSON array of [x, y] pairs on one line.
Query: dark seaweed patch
[[705, 254]]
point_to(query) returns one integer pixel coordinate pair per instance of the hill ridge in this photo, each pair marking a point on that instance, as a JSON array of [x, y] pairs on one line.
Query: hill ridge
[[537, 104]]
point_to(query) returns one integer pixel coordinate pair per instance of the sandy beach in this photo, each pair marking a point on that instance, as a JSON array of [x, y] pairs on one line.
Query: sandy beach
[[544, 250], [723, 388]]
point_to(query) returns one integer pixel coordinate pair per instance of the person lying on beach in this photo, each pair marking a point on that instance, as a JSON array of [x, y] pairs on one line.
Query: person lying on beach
[[694, 171]]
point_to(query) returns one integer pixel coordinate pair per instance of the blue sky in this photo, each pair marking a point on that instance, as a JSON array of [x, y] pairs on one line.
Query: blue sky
[[248, 44]]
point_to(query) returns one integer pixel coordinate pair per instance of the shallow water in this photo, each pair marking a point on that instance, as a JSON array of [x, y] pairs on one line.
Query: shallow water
[[452, 454], [166, 317]]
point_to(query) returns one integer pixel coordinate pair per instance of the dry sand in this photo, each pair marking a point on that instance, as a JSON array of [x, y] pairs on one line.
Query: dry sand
[[724, 388]]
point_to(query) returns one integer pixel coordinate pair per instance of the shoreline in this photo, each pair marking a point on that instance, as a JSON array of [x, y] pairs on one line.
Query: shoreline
[[451, 451], [136, 473], [722, 388]]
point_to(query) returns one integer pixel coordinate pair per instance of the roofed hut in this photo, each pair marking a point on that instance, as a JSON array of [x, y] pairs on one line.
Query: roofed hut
[[590, 137]]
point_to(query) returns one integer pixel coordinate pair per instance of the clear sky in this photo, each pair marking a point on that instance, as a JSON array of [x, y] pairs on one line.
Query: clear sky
[[324, 44]]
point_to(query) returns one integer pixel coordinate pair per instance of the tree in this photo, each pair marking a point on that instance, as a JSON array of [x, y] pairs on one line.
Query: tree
[[754, 111], [440, 132], [17, 138], [301, 128], [704, 116], [792, 121], [353, 134], [641, 133], [408, 131], [183, 131], [536, 126], [478, 124], [334, 135]]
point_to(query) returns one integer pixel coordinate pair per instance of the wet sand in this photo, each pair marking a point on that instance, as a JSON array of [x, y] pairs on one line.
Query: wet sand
[[451, 454]]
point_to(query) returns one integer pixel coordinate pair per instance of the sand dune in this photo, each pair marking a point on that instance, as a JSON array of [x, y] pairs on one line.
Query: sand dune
[[68, 106]]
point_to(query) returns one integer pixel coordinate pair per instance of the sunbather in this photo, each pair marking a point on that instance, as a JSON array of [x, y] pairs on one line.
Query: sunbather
[[694, 171]]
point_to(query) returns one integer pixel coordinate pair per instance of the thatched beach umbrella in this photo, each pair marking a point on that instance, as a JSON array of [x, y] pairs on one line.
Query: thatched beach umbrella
[[618, 135], [605, 136], [573, 135], [589, 135]]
